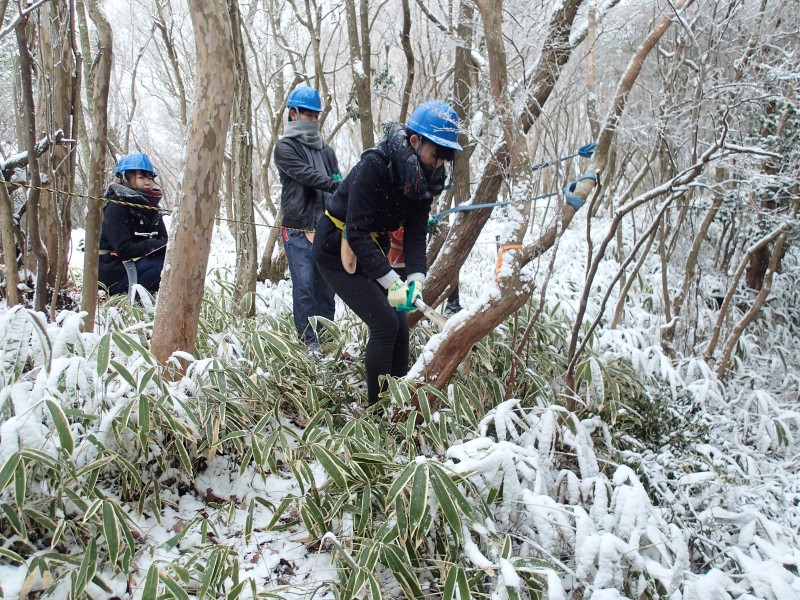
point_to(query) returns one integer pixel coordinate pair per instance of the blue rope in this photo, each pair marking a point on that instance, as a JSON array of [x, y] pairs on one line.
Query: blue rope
[[435, 218], [584, 152], [573, 200]]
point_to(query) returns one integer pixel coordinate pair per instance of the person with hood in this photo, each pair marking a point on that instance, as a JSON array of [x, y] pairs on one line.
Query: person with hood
[[133, 227], [392, 185], [309, 172]]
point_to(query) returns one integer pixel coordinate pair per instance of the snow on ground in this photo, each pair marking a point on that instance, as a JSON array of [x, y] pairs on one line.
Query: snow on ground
[[755, 506]]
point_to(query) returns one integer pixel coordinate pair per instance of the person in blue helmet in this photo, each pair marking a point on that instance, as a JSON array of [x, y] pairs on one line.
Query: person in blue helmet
[[392, 185], [309, 172], [133, 227]]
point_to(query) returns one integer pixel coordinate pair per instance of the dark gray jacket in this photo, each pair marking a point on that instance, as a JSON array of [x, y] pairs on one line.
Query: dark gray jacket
[[303, 187]]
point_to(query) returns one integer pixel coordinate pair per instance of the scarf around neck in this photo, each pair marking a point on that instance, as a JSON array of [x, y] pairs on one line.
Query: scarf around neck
[[118, 191], [305, 132], [417, 181]]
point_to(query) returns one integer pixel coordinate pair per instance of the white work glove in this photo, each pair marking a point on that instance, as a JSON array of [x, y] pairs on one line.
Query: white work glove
[[398, 294]]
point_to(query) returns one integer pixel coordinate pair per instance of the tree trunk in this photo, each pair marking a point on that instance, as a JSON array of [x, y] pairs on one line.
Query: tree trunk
[[165, 30], [668, 332], [244, 228], [28, 118], [591, 73], [9, 245], [723, 310], [360, 63], [468, 224], [739, 328], [181, 294], [56, 113], [405, 38], [274, 270], [465, 79], [101, 79], [600, 157]]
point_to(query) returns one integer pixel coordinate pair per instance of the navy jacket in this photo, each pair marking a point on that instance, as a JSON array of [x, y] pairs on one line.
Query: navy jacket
[[128, 232], [378, 195]]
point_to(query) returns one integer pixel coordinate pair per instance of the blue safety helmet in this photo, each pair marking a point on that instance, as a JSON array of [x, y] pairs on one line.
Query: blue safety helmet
[[305, 97], [137, 161], [436, 121]]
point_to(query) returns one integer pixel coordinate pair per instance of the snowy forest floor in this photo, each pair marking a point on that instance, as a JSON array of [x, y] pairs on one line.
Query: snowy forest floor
[[253, 469]]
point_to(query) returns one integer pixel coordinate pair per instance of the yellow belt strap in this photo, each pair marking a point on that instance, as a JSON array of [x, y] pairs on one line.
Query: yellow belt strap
[[340, 225]]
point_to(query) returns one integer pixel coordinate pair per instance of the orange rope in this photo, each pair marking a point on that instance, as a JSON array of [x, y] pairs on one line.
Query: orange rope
[[499, 262]]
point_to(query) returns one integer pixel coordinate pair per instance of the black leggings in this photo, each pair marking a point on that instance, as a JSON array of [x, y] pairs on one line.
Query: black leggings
[[387, 348]]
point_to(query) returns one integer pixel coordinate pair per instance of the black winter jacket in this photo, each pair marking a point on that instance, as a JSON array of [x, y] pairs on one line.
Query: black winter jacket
[[383, 191], [303, 188], [128, 232]]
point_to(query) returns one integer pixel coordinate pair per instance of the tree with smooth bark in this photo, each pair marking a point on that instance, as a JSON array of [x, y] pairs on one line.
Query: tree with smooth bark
[[183, 281]]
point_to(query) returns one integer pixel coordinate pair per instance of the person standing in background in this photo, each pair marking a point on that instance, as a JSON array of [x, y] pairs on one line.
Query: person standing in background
[[309, 172]]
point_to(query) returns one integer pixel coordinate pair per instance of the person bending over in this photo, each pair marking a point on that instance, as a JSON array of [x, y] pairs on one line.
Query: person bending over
[[392, 185]]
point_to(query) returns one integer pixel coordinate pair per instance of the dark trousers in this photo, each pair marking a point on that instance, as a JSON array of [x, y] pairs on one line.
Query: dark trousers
[[311, 295], [387, 348], [148, 275]]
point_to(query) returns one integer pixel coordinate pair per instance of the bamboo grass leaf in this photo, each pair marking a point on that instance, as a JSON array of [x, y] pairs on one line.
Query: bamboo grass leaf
[[399, 562], [173, 587], [130, 544], [103, 354], [87, 569], [9, 470], [120, 369], [121, 341], [40, 518], [278, 345], [44, 340], [398, 485], [447, 503], [505, 551], [175, 539], [11, 555], [20, 485], [62, 427], [374, 588], [146, 379], [12, 516], [313, 519], [150, 589], [364, 517], [418, 503], [456, 585], [208, 574], [236, 590], [248, 525], [111, 531], [278, 512], [333, 465], [425, 407]]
